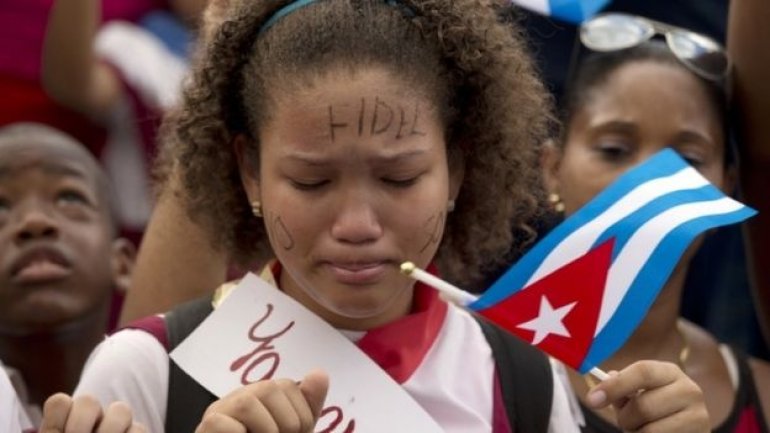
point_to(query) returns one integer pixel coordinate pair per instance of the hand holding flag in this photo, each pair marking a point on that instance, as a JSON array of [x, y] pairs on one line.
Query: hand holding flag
[[580, 292]]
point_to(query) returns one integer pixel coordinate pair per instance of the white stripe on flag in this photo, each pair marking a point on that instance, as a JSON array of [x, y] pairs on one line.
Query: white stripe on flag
[[630, 260], [540, 6], [581, 240]]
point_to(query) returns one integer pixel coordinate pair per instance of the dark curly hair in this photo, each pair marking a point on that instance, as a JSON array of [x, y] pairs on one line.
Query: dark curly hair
[[464, 55]]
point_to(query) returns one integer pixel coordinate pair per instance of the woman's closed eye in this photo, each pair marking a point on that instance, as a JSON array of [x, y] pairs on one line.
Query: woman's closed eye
[[693, 160], [614, 150], [695, 154], [309, 184], [399, 182]]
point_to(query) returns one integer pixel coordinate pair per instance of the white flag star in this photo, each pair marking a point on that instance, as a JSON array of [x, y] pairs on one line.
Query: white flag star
[[548, 321]]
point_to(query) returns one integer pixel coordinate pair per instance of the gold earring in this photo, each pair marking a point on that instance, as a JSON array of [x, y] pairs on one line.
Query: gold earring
[[556, 202], [450, 206], [256, 208]]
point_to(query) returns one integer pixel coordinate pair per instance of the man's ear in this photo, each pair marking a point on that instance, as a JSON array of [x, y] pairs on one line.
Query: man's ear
[[550, 158], [246, 167], [122, 261]]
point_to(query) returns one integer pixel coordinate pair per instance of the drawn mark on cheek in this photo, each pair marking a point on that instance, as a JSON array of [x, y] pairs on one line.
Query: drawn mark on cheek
[[435, 226], [281, 234]]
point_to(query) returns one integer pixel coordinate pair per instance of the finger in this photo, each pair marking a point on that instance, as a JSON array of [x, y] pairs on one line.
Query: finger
[[639, 376], [85, 414], [299, 404], [117, 418], [314, 387], [244, 406], [660, 403], [55, 411], [596, 397], [692, 420], [217, 422], [281, 409], [137, 428]]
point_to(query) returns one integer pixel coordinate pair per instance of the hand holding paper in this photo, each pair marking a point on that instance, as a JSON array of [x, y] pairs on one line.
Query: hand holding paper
[[273, 405], [258, 334]]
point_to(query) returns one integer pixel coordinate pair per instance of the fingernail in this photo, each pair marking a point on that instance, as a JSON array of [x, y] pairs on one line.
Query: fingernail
[[596, 398]]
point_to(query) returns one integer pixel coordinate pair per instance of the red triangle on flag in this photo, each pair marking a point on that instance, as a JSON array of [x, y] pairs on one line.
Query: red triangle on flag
[[558, 313]]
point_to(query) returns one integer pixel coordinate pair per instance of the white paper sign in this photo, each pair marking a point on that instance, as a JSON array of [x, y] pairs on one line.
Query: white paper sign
[[259, 332], [13, 418]]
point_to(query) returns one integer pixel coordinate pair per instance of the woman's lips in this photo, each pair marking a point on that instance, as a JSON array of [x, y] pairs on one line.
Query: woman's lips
[[357, 273]]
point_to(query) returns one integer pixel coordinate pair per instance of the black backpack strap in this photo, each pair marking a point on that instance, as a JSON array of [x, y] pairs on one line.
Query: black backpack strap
[[526, 380], [187, 399], [747, 394]]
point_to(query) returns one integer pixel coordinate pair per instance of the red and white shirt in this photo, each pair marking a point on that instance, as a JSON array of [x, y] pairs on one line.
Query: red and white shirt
[[438, 353]]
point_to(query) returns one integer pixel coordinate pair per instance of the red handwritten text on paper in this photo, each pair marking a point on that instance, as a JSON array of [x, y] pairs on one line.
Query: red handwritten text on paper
[[334, 416], [265, 358]]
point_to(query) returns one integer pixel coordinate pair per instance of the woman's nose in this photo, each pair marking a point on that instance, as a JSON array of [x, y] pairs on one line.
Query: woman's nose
[[357, 221]]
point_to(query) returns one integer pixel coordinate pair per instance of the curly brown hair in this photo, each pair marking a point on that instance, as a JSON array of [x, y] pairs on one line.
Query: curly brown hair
[[461, 54]]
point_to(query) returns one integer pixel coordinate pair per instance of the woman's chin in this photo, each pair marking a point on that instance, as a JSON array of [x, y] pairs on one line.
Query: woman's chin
[[361, 313]]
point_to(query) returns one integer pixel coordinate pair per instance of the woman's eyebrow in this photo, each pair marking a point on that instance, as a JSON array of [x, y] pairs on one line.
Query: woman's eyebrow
[[385, 158], [690, 136]]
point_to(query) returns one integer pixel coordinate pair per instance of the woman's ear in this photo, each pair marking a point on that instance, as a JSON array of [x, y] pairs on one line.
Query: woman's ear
[[246, 167], [550, 159], [456, 176]]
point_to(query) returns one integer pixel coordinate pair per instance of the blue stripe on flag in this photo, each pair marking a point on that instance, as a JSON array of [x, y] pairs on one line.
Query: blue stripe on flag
[[575, 11], [653, 274], [664, 163], [620, 231]]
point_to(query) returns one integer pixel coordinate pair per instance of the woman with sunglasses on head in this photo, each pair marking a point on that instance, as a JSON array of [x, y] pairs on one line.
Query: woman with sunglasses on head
[[627, 102]]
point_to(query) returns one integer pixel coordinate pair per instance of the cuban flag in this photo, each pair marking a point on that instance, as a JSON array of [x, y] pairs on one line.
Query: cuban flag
[[573, 11], [582, 290]]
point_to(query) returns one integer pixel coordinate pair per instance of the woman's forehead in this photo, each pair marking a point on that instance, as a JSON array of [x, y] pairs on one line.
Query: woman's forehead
[[651, 88], [369, 105]]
